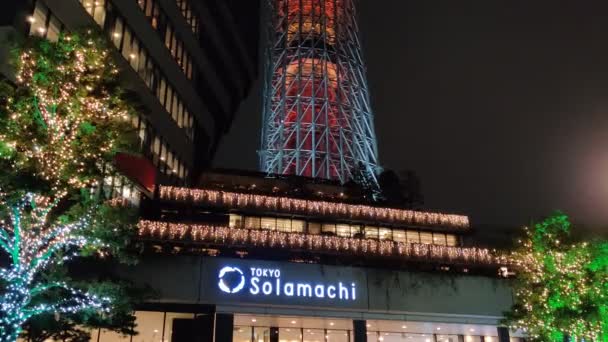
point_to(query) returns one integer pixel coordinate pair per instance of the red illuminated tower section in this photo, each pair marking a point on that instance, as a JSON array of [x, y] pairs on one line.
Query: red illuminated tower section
[[317, 118]]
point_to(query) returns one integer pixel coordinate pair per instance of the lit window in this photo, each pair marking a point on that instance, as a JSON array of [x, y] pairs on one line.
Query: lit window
[[284, 225], [399, 235], [251, 222], [38, 20], [412, 236], [343, 230], [439, 239], [371, 232], [328, 228], [451, 240], [235, 221], [313, 228], [54, 29], [385, 233], [297, 226], [426, 237], [269, 223]]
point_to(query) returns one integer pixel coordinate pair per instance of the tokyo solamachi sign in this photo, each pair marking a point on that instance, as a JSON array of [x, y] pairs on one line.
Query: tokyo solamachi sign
[[271, 282]]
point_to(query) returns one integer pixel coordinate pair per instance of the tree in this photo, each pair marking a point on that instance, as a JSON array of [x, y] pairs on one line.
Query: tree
[[61, 124], [562, 285], [33, 244], [65, 118]]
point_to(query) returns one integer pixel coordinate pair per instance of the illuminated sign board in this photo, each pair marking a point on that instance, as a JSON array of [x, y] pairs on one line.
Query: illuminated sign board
[[268, 282], [284, 283]]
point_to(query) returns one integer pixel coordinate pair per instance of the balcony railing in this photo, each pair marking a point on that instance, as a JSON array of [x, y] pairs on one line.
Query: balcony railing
[[256, 238]]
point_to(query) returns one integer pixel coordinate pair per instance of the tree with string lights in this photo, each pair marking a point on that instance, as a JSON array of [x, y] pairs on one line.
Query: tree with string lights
[[33, 244], [64, 117], [62, 121], [561, 288]]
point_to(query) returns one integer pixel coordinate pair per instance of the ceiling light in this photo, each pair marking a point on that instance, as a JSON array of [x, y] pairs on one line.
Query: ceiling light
[[254, 320], [331, 323], [293, 322], [404, 326]]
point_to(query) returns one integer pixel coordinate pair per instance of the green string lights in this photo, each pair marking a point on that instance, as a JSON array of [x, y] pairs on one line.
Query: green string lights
[[562, 286], [33, 245]]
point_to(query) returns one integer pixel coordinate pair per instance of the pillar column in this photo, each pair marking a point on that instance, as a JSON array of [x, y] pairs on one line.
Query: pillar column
[[224, 325], [359, 331], [274, 334], [503, 334]]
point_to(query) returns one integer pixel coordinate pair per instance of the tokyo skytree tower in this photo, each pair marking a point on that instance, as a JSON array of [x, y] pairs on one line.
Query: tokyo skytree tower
[[317, 120]]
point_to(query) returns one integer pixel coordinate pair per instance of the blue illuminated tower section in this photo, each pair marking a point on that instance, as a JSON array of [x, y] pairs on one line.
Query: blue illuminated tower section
[[317, 120]]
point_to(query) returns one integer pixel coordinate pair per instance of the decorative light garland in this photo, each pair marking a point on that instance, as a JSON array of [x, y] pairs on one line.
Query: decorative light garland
[[276, 239], [32, 245], [311, 207]]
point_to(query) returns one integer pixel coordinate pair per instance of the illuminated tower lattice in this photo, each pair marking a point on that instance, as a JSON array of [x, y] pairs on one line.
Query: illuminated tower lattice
[[317, 117]]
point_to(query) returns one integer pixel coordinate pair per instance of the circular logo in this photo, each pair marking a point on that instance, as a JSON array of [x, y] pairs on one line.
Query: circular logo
[[232, 279]]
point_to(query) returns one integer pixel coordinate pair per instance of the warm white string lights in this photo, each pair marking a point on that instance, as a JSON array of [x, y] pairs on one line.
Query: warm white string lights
[[310, 207], [276, 239]]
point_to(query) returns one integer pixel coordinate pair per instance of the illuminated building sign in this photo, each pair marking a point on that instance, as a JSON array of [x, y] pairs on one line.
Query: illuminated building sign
[[265, 282], [258, 281]]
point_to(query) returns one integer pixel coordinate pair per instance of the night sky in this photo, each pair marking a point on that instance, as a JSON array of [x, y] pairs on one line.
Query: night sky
[[501, 107]]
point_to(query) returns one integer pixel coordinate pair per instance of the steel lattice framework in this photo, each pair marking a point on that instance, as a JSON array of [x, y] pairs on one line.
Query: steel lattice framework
[[317, 116]]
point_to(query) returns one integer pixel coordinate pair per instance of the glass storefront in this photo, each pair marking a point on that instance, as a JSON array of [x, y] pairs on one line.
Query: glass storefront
[[152, 326], [250, 328]]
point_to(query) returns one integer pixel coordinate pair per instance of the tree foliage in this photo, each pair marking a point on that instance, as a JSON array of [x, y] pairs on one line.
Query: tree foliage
[[64, 118], [562, 285], [61, 124]]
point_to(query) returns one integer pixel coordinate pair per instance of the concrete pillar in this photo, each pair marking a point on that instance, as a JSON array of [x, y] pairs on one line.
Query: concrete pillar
[[274, 334], [359, 331], [224, 325], [503, 334]]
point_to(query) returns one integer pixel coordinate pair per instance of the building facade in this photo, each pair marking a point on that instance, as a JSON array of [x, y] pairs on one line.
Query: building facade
[[251, 258], [190, 63]]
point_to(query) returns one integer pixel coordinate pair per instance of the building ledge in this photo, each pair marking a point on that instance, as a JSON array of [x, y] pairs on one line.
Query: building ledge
[[223, 236], [243, 201]]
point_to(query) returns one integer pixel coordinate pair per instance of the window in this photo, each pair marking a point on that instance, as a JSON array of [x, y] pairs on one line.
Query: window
[[385, 233], [314, 228], [269, 223], [439, 239], [371, 232], [412, 236], [343, 230], [117, 32], [328, 228], [399, 236], [235, 221], [355, 230], [97, 10], [54, 29], [284, 225], [135, 53], [297, 226], [451, 240], [191, 16], [252, 222], [426, 237], [38, 20]]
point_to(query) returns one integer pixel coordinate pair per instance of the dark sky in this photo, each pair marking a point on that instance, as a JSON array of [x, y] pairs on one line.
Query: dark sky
[[500, 106]]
